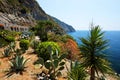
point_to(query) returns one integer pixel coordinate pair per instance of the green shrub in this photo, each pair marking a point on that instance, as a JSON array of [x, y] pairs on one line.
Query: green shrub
[[34, 44], [3, 42], [65, 38], [44, 51], [10, 38], [24, 44], [54, 37]]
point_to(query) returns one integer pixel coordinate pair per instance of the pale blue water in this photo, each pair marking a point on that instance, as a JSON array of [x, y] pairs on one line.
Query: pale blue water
[[114, 44]]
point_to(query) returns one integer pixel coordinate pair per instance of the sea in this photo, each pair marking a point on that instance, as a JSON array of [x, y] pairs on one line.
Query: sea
[[113, 52]]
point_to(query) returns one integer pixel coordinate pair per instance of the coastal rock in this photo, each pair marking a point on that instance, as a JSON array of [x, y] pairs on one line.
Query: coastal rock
[[26, 13], [66, 27]]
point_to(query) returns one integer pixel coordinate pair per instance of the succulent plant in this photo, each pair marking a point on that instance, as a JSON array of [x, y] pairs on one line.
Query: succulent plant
[[76, 71], [55, 65], [18, 64], [6, 52], [12, 46]]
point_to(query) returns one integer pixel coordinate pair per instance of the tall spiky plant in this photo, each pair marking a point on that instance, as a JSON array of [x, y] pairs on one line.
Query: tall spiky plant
[[18, 64], [76, 71], [93, 52], [6, 52]]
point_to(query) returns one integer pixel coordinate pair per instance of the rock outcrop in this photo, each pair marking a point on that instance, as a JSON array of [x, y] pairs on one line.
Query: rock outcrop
[[24, 13], [66, 27]]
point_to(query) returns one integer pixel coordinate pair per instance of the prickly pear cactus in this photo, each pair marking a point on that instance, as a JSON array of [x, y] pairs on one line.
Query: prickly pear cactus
[[55, 65]]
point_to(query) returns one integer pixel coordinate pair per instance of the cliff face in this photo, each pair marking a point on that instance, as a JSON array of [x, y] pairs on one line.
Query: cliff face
[[66, 27], [22, 12], [22, 8]]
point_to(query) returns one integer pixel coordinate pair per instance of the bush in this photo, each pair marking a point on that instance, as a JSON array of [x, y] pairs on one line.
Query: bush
[[34, 44], [24, 44], [10, 38], [54, 37], [3, 42], [44, 51]]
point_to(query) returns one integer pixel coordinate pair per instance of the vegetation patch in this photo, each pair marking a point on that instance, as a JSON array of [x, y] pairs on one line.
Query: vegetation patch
[[43, 49], [24, 44]]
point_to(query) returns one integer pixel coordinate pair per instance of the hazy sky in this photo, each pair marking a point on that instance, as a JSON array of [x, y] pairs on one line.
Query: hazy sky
[[80, 13]]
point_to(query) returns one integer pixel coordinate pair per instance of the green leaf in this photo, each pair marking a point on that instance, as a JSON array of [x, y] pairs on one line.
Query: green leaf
[[48, 65], [61, 68], [54, 57], [56, 63], [62, 56], [62, 63]]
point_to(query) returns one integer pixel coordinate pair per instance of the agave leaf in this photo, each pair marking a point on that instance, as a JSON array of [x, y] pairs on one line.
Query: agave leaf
[[11, 63], [25, 60], [17, 60]]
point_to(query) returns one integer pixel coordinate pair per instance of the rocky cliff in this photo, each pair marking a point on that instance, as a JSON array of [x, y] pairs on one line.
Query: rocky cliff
[[23, 8], [66, 27], [22, 12]]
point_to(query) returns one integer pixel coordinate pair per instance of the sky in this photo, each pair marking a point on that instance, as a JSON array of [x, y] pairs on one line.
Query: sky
[[80, 13]]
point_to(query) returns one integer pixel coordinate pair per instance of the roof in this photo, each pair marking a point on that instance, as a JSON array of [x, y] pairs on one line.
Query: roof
[[1, 25]]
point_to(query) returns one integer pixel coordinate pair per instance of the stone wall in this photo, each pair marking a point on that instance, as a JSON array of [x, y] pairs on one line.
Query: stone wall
[[14, 27]]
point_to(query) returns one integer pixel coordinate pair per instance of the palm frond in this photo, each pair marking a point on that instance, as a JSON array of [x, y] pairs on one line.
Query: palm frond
[[92, 51]]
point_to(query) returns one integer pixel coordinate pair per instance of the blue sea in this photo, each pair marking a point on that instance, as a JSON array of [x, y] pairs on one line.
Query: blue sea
[[114, 46]]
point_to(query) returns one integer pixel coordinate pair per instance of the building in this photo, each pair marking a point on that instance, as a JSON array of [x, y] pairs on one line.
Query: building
[[13, 27]]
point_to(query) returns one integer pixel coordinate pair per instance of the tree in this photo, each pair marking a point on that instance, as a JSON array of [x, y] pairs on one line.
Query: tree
[[93, 52], [42, 28]]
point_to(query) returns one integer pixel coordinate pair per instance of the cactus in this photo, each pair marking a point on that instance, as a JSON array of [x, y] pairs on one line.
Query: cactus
[[55, 65]]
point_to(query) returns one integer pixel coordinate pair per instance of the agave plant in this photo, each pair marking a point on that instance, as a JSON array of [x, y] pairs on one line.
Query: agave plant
[[76, 72], [12, 46], [18, 64], [6, 52]]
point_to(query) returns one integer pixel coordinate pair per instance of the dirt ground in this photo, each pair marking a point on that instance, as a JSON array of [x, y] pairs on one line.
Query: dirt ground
[[28, 74], [30, 70]]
